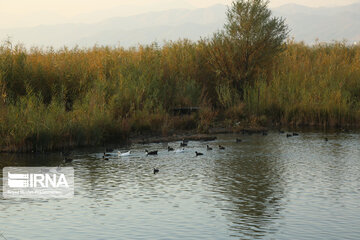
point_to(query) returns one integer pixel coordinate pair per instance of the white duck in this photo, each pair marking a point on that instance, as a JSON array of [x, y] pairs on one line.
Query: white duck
[[124, 154], [180, 150]]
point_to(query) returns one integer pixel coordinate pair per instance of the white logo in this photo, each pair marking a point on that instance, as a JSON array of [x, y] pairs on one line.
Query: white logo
[[30, 182], [36, 180]]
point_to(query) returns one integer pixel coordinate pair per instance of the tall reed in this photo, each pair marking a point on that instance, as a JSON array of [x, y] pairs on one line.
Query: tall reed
[[50, 99]]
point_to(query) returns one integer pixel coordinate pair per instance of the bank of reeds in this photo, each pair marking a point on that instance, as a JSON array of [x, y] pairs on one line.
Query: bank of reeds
[[51, 99], [318, 85]]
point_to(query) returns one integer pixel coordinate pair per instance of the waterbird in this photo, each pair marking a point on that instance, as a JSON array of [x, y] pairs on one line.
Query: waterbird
[[180, 150], [183, 144], [107, 154], [170, 149], [68, 160], [295, 134], [238, 140], [105, 158], [151, 152], [289, 135], [156, 170], [198, 153], [326, 139], [221, 147], [124, 154], [208, 148]]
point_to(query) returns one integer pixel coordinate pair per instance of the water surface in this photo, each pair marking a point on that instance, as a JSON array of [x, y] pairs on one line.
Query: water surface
[[266, 187]]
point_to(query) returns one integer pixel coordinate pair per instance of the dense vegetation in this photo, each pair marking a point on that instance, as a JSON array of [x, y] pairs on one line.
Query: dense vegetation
[[51, 99]]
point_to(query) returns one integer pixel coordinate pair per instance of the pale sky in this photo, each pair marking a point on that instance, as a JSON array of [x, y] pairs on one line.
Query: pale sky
[[25, 13]]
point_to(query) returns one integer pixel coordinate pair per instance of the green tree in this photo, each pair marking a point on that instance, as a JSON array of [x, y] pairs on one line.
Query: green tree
[[251, 39]]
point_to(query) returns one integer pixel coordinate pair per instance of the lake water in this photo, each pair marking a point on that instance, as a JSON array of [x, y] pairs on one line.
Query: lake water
[[266, 187]]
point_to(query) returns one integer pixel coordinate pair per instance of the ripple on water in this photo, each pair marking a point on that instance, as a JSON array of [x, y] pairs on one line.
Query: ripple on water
[[262, 188]]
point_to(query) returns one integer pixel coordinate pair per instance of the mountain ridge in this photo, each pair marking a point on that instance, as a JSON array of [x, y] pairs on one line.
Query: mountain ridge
[[307, 24]]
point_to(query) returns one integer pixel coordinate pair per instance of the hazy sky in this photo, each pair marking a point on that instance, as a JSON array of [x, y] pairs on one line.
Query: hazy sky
[[22, 13]]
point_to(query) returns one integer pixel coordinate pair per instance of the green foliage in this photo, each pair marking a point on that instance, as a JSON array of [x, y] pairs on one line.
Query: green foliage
[[228, 96], [248, 44], [72, 97], [316, 85]]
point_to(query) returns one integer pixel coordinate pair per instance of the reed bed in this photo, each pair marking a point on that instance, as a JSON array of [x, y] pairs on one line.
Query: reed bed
[[52, 99]]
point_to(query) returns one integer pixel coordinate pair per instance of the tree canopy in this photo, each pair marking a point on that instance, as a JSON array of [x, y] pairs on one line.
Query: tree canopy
[[251, 38]]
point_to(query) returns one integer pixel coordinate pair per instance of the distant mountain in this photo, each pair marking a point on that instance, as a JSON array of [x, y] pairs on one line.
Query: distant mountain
[[325, 24], [158, 26], [306, 24], [131, 8], [128, 31]]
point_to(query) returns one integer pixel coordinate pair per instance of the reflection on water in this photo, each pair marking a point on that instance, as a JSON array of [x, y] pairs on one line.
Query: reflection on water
[[252, 187], [264, 187]]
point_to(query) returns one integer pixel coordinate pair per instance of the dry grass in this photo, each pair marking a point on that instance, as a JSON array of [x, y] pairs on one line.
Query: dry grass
[[70, 97]]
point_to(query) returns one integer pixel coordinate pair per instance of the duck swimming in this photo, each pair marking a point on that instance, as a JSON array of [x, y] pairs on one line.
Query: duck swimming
[[124, 154], [198, 153], [180, 150], [151, 152]]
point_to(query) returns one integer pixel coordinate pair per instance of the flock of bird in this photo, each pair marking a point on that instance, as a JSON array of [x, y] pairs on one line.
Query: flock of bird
[[109, 152]]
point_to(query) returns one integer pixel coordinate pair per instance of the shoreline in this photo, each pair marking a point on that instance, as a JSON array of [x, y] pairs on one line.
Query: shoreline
[[167, 90], [192, 135], [187, 135]]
